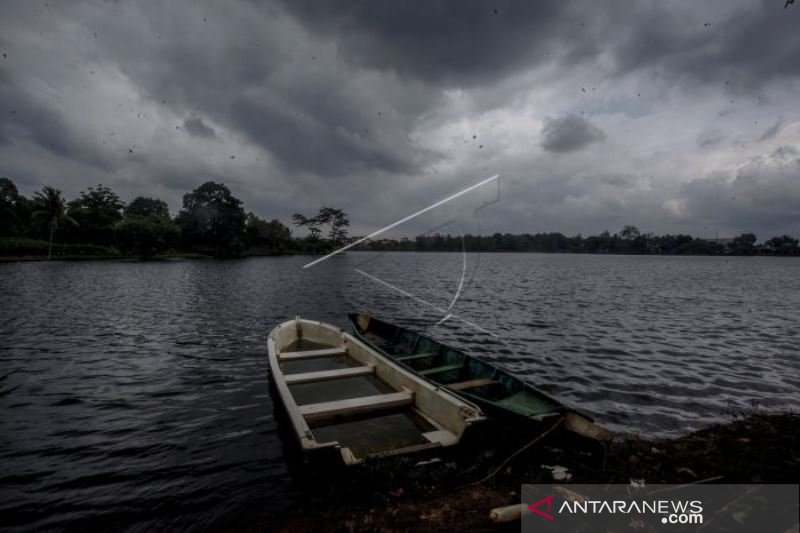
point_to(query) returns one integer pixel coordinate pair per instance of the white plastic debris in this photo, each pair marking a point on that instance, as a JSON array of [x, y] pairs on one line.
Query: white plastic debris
[[559, 473]]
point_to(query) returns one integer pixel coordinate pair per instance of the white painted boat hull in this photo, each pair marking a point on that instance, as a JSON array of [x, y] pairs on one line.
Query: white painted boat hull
[[340, 394]]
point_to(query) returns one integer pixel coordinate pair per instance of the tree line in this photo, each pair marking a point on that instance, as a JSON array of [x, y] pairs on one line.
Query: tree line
[[628, 241], [212, 221]]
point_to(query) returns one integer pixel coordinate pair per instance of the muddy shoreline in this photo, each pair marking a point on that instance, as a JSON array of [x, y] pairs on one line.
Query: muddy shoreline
[[757, 448]]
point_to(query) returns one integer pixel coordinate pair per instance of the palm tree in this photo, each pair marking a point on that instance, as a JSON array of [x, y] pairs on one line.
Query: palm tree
[[50, 209]]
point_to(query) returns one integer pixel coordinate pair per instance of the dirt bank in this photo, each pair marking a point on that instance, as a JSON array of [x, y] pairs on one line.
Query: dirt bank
[[758, 448]]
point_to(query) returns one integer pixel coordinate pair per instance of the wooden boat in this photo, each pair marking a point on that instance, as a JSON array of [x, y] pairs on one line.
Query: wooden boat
[[343, 396], [497, 392]]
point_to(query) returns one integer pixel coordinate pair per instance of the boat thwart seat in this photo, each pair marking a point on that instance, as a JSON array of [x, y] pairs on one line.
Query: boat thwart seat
[[440, 369], [414, 357], [325, 375], [320, 411], [471, 384], [311, 354]]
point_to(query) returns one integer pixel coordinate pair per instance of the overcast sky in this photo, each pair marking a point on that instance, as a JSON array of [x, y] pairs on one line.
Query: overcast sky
[[672, 116]]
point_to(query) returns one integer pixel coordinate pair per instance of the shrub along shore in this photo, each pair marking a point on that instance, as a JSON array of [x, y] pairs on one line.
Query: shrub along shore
[[759, 448]]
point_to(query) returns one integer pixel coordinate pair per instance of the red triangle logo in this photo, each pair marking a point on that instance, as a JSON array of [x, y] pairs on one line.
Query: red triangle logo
[[534, 507]]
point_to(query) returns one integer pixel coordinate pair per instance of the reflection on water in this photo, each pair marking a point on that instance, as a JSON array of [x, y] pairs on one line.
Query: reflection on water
[[135, 395]]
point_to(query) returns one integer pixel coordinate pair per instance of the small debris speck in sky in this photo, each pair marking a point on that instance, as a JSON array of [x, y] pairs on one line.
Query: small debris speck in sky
[[233, 157], [130, 150]]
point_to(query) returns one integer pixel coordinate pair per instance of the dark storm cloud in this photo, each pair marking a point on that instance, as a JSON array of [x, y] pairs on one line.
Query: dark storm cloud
[[762, 196], [569, 133], [255, 72], [740, 47], [28, 119], [373, 93], [449, 41], [195, 126], [307, 142]]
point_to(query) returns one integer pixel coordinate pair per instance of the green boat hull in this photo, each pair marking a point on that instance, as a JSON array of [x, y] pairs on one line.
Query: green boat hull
[[498, 393]]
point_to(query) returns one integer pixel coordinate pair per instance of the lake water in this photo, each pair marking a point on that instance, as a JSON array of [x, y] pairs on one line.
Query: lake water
[[135, 395]]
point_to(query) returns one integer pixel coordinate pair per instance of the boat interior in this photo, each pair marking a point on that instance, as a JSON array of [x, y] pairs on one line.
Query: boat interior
[[341, 393], [467, 376]]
